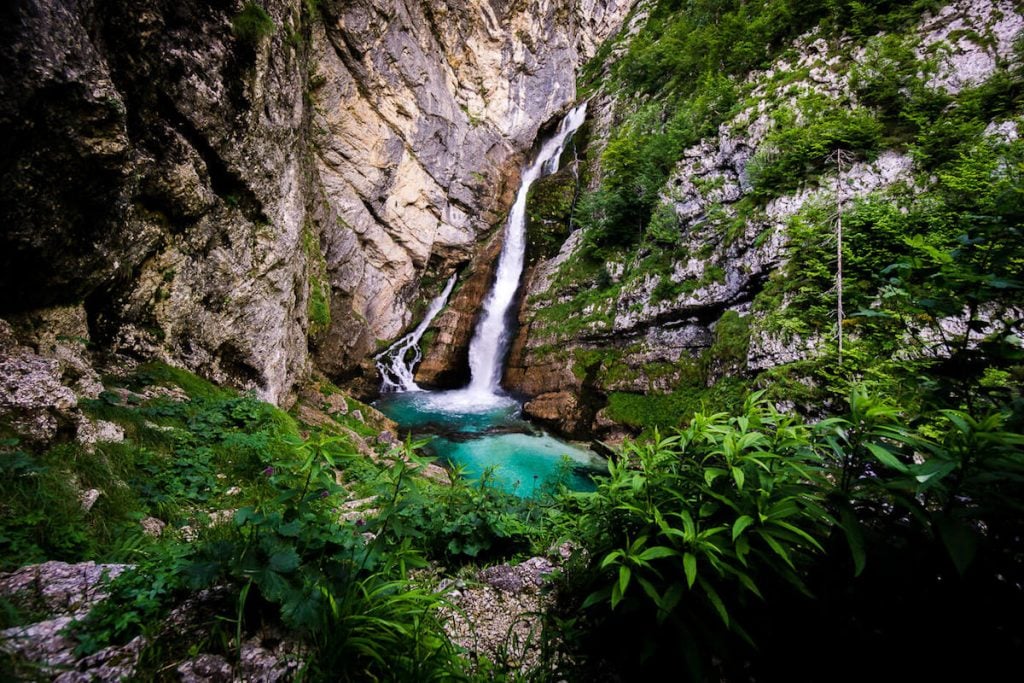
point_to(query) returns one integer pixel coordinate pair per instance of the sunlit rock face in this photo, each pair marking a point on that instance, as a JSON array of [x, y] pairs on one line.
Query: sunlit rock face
[[423, 113]]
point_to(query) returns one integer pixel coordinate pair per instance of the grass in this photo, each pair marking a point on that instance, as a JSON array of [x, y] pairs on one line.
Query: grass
[[252, 24]]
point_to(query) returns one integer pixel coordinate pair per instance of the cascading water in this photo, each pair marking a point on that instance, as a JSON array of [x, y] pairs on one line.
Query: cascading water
[[478, 428], [491, 338], [397, 363]]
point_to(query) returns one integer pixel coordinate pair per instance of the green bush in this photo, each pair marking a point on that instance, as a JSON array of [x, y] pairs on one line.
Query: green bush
[[453, 523], [797, 151], [289, 557], [253, 24], [686, 529], [716, 534]]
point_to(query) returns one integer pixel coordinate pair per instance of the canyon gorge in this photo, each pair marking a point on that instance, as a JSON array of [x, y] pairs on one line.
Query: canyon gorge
[[240, 239]]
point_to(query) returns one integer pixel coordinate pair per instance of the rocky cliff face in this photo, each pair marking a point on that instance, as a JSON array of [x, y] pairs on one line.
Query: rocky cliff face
[[424, 113], [227, 185], [665, 317], [155, 172]]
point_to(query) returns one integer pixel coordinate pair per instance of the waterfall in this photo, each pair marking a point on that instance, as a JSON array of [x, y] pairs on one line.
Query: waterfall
[[491, 338], [397, 363]]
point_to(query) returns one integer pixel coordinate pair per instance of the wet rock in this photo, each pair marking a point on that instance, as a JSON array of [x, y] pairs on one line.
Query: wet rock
[[560, 408]]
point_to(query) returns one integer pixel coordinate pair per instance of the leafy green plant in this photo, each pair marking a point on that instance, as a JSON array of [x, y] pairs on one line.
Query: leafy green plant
[[456, 522], [688, 528], [954, 479]]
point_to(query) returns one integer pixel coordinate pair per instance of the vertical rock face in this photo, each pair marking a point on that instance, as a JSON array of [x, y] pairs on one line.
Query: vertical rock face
[[153, 165], [207, 178], [424, 111]]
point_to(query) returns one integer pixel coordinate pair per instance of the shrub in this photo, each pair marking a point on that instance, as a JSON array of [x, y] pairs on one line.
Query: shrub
[[686, 529], [252, 24], [797, 152]]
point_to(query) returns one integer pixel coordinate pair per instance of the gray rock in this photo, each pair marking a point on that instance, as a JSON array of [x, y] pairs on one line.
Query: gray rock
[[66, 592], [195, 188], [527, 576], [151, 526], [205, 668], [59, 587]]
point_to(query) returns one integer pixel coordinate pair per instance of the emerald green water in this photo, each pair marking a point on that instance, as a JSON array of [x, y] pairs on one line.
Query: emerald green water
[[485, 436]]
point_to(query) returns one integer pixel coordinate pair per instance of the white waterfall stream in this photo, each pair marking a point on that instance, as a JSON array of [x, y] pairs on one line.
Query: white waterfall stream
[[479, 428], [397, 363], [491, 338]]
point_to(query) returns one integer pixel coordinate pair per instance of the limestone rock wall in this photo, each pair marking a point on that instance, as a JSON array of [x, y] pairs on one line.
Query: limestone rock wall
[[231, 197], [155, 168], [424, 113]]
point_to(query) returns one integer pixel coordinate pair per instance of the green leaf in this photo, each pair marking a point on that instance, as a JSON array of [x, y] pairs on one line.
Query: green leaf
[[273, 586], [303, 609], [748, 583], [799, 532], [650, 590], [712, 473], [778, 549], [657, 552], [284, 560], [672, 597], [611, 558], [883, 456], [247, 514], [850, 525], [741, 523], [596, 597], [624, 575], [290, 529], [742, 549], [689, 529], [737, 474], [690, 568], [715, 600]]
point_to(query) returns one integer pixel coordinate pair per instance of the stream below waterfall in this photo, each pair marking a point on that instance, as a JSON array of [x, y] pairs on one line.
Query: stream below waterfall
[[479, 430]]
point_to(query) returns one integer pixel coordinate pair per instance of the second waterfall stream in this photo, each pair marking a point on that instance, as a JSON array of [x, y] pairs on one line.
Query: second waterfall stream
[[478, 428]]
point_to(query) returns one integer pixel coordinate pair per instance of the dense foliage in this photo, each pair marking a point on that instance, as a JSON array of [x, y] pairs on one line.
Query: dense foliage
[[681, 78], [759, 531], [905, 507], [321, 542]]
